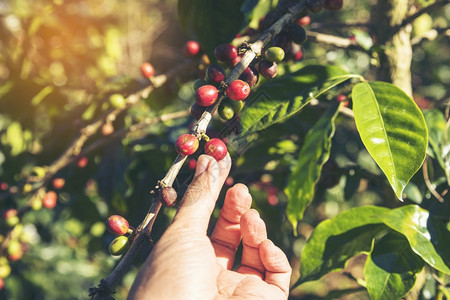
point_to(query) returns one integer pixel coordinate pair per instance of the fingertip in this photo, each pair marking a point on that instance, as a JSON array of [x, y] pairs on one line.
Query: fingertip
[[237, 202], [253, 228], [204, 163], [273, 258]]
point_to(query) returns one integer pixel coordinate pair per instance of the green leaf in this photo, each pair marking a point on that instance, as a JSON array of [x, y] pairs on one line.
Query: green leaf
[[427, 236], [393, 130], [390, 269], [211, 23], [282, 97], [254, 10], [438, 138], [314, 153], [336, 240]]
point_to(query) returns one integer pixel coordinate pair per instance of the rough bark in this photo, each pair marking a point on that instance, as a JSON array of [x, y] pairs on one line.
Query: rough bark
[[395, 58]]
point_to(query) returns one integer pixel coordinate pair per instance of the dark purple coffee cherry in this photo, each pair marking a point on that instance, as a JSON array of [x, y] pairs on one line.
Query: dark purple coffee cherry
[[315, 6], [197, 111], [199, 83], [283, 41], [215, 73], [334, 5], [250, 75], [268, 69], [297, 33], [225, 52], [167, 196]]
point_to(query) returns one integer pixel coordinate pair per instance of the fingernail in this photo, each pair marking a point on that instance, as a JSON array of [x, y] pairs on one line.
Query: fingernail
[[203, 163]]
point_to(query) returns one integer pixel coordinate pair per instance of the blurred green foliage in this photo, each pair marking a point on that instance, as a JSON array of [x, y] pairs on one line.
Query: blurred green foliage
[[59, 62]]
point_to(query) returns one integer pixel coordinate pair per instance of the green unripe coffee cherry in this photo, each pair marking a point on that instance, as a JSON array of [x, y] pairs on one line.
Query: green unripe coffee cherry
[[5, 270], [117, 101], [11, 217], [274, 54], [119, 245], [236, 105], [14, 247], [226, 111]]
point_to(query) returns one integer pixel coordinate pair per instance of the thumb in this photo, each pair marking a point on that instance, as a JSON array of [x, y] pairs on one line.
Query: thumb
[[200, 198]]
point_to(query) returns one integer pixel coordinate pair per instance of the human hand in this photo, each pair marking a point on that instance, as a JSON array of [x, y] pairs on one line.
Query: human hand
[[187, 264]]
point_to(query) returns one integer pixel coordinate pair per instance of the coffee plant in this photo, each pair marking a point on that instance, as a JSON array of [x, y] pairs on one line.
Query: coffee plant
[[335, 114]]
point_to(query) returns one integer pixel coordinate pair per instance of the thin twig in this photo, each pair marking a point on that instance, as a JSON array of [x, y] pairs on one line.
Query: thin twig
[[340, 25], [425, 10], [118, 134], [428, 182], [333, 40], [430, 35]]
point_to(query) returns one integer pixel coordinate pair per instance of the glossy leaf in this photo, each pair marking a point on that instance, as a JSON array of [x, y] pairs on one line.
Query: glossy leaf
[[391, 268], [211, 23], [280, 98], [392, 129], [427, 236], [336, 240], [313, 155], [438, 138]]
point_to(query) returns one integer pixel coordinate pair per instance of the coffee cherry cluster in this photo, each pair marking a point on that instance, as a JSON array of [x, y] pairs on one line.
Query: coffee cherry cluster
[[119, 226]]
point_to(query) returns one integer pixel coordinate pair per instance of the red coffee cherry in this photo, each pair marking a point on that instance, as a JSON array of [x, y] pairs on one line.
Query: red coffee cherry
[[238, 90], [268, 69], [315, 6], [58, 183], [49, 200], [147, 70], [191, 49], [117, 225], [298, 55], [206, 95], [197, 111], [225, 52], [341, 98], [186, 144], [2, 283], [334, 5], [216, 148], [304, 21], [215, 73], [192, 163], [4, 186], [250, 75], [167, 196], [82, 162]]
